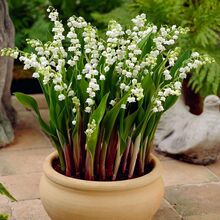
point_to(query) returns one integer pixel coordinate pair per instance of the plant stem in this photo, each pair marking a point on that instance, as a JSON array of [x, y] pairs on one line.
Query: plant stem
[[61, 159], [125, 155], [97, 153], [142, 157], [134, 156], [68, 160], [102, 161], [117, 161], [76, 154], [82, 144], [111, 154], [147, 157], [89, 172]]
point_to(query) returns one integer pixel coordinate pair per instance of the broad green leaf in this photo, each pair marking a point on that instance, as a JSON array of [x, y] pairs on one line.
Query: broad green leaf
[[111, 116], [149, 89], [97, 116], [170, 101], [81, 90], [30, 103], [179, 62], [145, 45], [158, 71], [150, 125], [143, 123], [126, 129], [4, 191], [109, 82]]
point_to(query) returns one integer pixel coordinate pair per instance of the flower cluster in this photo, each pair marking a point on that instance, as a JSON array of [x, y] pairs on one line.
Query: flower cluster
[[91, 127], [121, 49], [174, 87], [9, 52], [98, 89]]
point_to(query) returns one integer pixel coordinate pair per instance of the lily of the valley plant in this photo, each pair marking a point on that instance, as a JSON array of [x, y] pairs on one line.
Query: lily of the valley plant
[[106, 96]]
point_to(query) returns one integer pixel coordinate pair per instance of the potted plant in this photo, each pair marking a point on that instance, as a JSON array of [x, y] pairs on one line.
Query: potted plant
[[105, 98]]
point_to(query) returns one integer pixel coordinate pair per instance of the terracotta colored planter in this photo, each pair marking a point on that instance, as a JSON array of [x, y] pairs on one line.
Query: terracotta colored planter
[[66, 198]]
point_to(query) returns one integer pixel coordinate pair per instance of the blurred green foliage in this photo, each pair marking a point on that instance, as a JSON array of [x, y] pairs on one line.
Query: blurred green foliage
[[201, 16], [203, 19], [29, 20], [29, 16]]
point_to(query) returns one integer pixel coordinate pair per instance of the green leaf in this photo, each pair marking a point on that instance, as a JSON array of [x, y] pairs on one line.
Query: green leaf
[[81, 88], [149, 89], [30, 103], [126, 129], [4, 191], [150, 125], [143, 123], [100, 110], [170, 101], [111, 116], [145, 45], [61, 138], [179, 62], [109, 82], [97, 116], [3, 217]]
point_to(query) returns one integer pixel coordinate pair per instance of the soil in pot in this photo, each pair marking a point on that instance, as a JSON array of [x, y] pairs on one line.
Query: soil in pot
[[120, 176]]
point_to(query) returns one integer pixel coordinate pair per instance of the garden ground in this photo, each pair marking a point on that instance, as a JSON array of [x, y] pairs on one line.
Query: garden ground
[[192, 191]]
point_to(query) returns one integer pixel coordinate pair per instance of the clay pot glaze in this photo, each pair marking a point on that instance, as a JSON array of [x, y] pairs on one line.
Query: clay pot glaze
[[66, 198]]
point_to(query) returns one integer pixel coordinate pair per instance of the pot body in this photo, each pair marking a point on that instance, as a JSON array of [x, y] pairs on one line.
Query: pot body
[[66, 198]]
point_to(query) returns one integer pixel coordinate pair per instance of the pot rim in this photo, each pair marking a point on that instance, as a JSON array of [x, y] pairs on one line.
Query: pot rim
[[86, 185]]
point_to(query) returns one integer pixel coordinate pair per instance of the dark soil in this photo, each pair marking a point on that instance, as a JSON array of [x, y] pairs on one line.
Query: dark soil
[[148, 169]]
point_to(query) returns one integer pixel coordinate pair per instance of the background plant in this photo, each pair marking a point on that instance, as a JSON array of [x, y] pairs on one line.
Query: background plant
[[106, 96], [30, 22], [203, 19], [4, 191]]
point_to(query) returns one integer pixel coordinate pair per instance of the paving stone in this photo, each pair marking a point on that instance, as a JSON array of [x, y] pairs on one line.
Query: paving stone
[[195, 200], [180, 173], [24, 186], [27, 139], [203, 217], [162, 157], [166, 212], [29, 210], [44, 114], [3, 200], [27, 134], [41, 101], [26, 119], [6, 210], [215, 168], [21, 162], [15, 103]]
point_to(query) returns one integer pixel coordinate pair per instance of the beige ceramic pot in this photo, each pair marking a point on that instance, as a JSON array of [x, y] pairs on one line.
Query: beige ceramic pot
[[66, 198]]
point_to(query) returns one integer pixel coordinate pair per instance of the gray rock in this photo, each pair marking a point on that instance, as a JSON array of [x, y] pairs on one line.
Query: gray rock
[[189, 137], [7, 113]]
